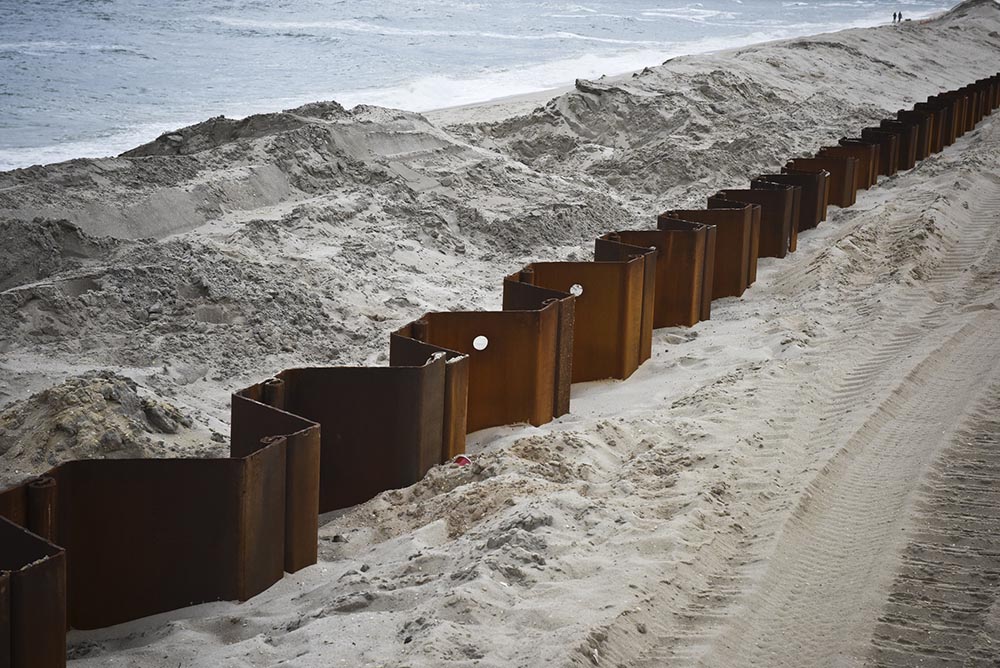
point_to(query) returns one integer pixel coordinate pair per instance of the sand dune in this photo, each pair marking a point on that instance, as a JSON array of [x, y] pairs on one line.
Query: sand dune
[[808, 479]]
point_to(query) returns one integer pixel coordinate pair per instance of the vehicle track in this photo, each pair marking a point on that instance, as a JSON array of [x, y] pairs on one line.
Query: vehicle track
[[805, 584]]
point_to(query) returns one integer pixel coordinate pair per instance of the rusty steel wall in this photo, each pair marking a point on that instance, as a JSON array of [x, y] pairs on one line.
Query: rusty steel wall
[[906, 141], [777, 206], [501, 391], [98, 542], [790, 235], [612, 334], [888, 149], [814, 192], [735, 246], [32, 599], [866, 170], [842, 190], [723, 203], [923, 123], [395, 414], [608, 251], [681, 270]]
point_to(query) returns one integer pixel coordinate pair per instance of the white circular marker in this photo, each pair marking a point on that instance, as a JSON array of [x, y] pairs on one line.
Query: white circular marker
[[480, 342], [576, 289]]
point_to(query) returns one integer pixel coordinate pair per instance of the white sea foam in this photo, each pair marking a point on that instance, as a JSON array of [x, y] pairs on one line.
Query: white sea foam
[[436, 92], [101, 147], [353, 25]]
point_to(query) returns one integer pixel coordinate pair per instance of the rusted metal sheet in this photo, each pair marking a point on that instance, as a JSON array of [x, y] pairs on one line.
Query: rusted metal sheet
[[6, 650], [389, 414], [257, 416], [612, 251], [32, 599], [843, 192], [519, 295], [683, 280], [609, 323], [776, 211], [812, 208], [792, 234], [938, 115], [888, 149], [147, 536], [869, 148], [754, 209], [906, 140], [97, 542], [734, 245], [865, 172], [502, 391]]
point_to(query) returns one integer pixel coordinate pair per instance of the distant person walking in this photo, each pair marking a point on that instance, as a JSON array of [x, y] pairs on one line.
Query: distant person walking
[[901, 17], [894, 17]]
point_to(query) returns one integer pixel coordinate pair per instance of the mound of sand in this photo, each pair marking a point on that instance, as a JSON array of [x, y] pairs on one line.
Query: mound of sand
[[97, 415], [669, 519]]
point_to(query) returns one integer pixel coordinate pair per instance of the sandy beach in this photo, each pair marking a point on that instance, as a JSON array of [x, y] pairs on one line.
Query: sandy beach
[[810, 478]]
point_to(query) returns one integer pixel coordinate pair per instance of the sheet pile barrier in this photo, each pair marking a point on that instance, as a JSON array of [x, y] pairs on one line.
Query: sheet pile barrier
[[92, 543]]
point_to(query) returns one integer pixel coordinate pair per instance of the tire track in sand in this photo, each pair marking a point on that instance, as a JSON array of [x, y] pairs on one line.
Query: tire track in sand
[[944, 606]]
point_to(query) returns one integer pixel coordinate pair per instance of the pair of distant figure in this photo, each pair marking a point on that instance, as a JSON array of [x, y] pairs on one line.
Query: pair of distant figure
[[897, 17]]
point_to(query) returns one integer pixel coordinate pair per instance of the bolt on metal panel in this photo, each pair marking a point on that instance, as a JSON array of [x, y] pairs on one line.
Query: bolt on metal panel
[[608, 326], [733, 249], [814, 186], [843, 192], [32, 599], [512, 360]]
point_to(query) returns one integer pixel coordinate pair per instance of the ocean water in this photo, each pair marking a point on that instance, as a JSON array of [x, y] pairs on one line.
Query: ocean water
[[96, 77]]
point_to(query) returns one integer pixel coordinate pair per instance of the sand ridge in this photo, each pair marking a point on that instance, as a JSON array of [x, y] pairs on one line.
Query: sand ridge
[[670, 519]]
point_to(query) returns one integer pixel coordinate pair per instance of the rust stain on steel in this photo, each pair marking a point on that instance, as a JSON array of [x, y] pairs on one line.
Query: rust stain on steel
[[613, 251], [98, 542], [145, 536], [366, 414], [866, 155], [501, 391], [734, 245], [723, 203], [814, 185], [32, 599], [253, 423], [906, 140], [943, 123], [791, 239], [843, 192], [520, 295], [609, 326], [888, 149], [923, 121], [776, 209], [683, 277]]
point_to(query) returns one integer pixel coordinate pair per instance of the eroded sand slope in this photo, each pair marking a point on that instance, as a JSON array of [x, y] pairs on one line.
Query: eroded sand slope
[[809, 479]]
